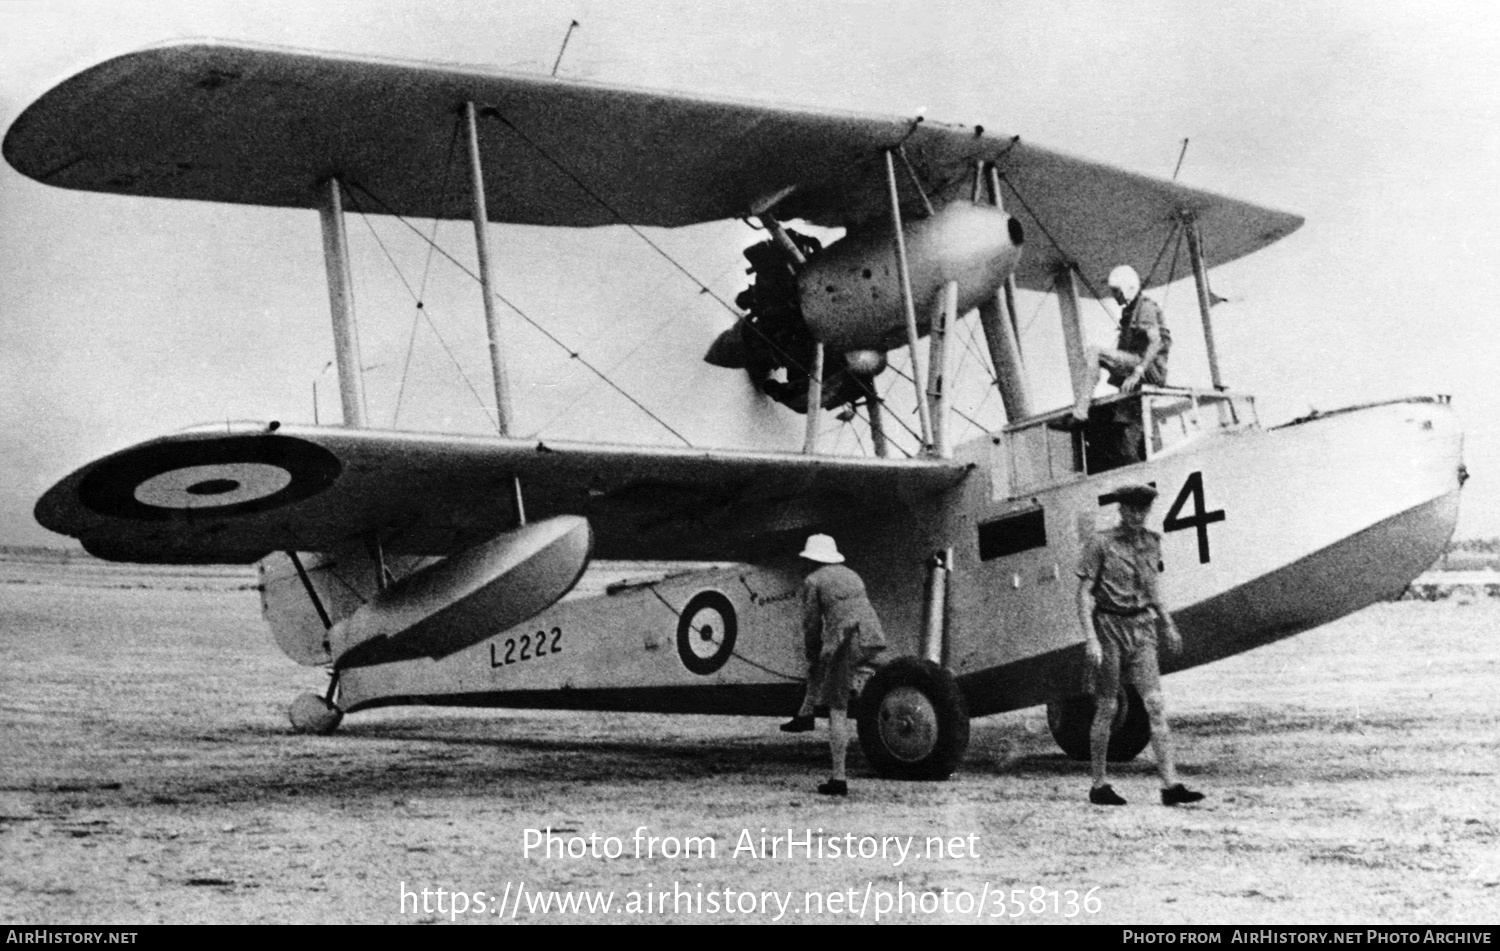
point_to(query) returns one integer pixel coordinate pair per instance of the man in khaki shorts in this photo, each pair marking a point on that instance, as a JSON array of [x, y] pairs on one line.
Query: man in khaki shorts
[[1120, 608], [843, 638]]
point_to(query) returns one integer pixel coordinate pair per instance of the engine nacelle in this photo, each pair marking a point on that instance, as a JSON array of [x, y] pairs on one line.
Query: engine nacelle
[[851, 292]]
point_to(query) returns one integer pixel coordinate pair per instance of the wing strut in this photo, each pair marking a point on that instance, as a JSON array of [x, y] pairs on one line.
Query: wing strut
[[924, 415], [491, 317], [998, 318], [944, 318], [481, 246], [815, 376], [341, 303], [1085, 378], [1205, 302]]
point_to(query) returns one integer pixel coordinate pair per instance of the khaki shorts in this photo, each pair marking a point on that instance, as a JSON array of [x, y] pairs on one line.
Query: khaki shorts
[[837, 673], [1129, 647]]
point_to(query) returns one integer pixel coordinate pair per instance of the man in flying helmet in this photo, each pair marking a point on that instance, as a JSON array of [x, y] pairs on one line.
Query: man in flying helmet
[[1140, 353]]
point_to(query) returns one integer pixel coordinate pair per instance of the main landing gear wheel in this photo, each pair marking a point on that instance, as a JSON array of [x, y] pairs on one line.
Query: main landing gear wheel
[[1071, 719], [311, 713], [912, 723]]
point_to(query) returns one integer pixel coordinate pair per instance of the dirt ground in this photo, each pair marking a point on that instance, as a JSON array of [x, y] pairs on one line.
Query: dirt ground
[[147, 775]]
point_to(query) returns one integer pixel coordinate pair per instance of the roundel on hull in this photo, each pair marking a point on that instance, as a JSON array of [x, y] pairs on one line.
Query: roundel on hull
[[234, 475], [706, 630]]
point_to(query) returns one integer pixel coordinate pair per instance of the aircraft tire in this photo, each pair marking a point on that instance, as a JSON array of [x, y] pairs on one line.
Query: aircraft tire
[[1071, 718], [313, 714], [912, 723]]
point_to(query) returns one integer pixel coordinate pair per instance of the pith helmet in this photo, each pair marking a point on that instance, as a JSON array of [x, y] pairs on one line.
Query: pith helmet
[[1126, 281], [822, 548], [1137, 494]]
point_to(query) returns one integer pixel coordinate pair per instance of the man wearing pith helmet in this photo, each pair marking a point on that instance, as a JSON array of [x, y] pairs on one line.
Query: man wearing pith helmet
[[1120, 608], [842, 636], [1140, 352]]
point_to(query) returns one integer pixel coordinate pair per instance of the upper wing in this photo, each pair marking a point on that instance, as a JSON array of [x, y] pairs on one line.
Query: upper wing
[[263, 126], [233, 494]]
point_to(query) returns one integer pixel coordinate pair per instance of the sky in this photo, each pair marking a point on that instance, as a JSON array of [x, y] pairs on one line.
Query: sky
[[123, 319]]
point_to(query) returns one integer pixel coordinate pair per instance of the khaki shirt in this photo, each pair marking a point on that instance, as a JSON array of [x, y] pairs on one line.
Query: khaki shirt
[[1138, 316], [1124, 567], [834, 602]]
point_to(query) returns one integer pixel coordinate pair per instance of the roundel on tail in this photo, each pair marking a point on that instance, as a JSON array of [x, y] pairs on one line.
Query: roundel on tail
[[706, 630], [233, 475]]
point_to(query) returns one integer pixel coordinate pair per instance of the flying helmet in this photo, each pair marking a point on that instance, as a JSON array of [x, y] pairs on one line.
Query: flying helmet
[[1126, 281]]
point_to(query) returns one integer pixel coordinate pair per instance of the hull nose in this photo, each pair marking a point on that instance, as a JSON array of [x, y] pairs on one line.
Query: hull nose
[[1380, 484]]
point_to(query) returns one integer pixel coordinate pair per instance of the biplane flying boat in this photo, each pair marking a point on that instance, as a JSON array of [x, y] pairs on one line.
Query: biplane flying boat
[[428, 568]]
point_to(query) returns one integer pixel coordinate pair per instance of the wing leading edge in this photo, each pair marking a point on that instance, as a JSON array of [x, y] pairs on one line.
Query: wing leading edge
[[234, 494], [262, 126]]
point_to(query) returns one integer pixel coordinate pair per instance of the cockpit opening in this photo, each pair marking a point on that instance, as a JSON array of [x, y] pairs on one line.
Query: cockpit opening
[[1122, 429]]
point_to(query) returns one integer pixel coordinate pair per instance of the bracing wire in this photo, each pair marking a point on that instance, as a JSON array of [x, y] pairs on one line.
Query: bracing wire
[[952, 409], [1172, 271], [1037, 311], [872, 394], [421, 310], [647, 338], [418, 314], [611, 209], [786, 358], [864, 417], [1173, 232], [981, 356], [858, 441], [893, 416], [572, 354], [1050, 237]]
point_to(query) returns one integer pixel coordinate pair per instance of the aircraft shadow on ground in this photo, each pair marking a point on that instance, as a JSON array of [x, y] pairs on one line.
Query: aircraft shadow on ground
[[379, 760]]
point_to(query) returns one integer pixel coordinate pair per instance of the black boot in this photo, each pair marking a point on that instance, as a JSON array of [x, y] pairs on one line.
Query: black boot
[[1106, 796], [1179, 795], [798, 725]]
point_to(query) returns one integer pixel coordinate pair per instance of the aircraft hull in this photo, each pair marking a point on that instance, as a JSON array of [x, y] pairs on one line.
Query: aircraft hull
[[1290, 600], [1320, 519], [1264, 533]]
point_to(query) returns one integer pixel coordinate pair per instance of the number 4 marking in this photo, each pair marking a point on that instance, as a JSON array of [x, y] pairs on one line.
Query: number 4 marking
[[1193, 489]]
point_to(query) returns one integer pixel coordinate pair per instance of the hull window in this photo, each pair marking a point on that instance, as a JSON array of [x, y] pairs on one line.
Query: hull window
[[1012, 534]]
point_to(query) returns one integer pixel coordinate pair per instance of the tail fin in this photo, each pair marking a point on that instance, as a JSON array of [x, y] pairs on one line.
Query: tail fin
[[301, 605]]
